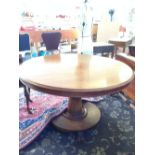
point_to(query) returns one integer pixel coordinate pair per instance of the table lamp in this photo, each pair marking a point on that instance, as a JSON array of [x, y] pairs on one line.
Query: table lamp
[[122, 29]]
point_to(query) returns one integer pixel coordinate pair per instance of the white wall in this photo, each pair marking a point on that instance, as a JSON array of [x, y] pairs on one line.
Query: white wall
[[108, 29], [47, 9]]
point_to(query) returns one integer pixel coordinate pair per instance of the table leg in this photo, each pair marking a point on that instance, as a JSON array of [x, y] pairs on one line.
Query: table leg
[[78, 116], [114, 52], [124, 49], [27, 96]]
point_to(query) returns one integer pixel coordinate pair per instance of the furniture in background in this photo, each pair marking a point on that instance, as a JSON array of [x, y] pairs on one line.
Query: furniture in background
[[35, 34], [132, 50], [24, 47], [51, 41], [105, 49], [76, 76], [74, 46], [24, 42], [120, 42], [69, 36], [66, 47], [94, 32], [129, 60], [25, 54]]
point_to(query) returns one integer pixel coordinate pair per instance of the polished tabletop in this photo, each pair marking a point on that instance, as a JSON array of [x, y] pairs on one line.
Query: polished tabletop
[[121, 39], [75, 74]]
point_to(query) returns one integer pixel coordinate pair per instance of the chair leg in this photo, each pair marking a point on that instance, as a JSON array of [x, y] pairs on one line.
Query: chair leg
[[113, 54], [27, 96]]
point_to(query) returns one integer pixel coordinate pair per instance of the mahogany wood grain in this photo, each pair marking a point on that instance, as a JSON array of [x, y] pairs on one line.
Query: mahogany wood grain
[[75, 76], [129, 60]]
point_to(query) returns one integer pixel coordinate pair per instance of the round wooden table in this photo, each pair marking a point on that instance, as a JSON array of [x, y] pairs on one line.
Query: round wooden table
[[76, 76]]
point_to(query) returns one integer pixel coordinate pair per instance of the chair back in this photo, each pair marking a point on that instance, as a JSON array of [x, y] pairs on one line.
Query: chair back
[[104, 50], [24, 42], [51, 40]]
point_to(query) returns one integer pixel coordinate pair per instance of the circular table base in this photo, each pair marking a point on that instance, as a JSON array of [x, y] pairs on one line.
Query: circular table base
[[91, 119]]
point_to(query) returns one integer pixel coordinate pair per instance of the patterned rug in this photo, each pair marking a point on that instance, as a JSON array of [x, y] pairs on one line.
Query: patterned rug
[[113, 135], [45, 107]]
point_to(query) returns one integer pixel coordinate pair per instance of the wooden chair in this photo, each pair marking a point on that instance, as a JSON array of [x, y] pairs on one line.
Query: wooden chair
[[129, 60]]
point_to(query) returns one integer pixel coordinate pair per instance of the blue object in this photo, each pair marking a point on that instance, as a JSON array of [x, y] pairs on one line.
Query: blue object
[[41, 53], [34, 54], [24, 42], [24, 47], [27, 56], [48, 53]]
